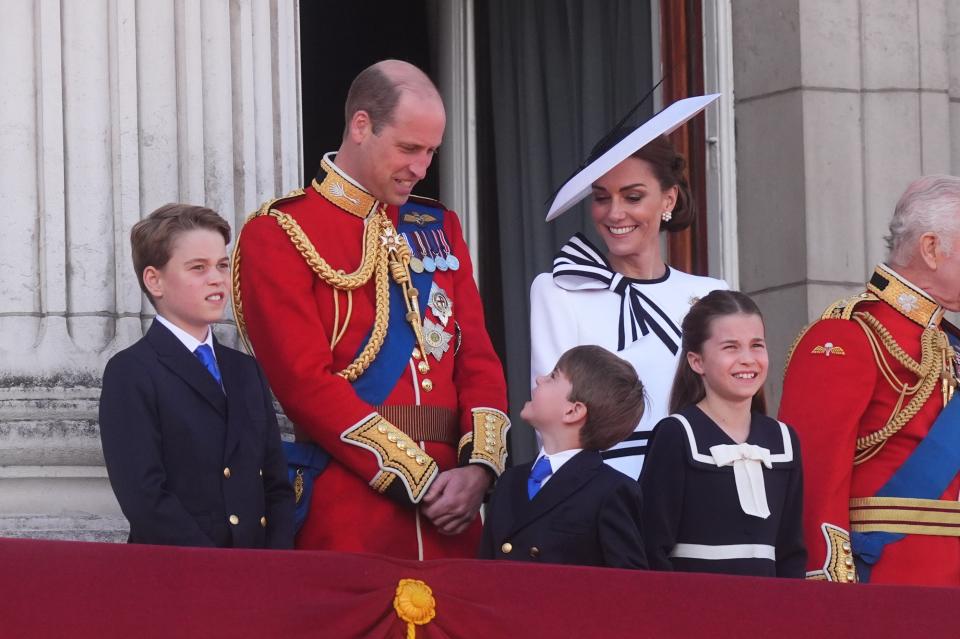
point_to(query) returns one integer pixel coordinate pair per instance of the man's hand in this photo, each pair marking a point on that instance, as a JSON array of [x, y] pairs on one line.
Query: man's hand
[[455, 496]]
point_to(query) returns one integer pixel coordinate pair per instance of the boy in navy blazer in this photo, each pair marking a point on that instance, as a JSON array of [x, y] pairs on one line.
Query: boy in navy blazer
[[189, 434], [570, 507]]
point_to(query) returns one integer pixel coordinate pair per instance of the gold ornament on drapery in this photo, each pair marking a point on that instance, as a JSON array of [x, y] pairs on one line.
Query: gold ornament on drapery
[[414, 604]]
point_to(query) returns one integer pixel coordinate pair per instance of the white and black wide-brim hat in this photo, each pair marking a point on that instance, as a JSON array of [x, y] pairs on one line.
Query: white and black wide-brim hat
[[669, 119]]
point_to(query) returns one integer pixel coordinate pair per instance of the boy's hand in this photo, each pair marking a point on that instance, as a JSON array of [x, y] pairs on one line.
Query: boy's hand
[[454, 498]]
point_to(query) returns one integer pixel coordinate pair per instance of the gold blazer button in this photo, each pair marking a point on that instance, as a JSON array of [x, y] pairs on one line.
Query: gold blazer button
[[506, 547]]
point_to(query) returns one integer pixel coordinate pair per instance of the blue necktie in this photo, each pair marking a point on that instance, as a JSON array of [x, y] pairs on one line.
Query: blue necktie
[[205, 354], [540, 471]]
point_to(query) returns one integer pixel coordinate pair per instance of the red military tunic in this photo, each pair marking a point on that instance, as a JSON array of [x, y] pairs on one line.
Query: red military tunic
[[367, 498], [837, 389]]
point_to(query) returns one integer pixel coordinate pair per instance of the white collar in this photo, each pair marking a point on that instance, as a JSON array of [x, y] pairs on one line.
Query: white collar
[[186, 338], [559, 459]]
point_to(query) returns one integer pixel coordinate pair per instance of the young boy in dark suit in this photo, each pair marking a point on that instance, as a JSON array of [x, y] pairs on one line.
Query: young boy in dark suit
[[189, 434], [569, 507]]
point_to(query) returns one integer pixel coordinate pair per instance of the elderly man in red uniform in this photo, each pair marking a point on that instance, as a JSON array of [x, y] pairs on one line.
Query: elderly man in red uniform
[[360, 302], [868, 388]]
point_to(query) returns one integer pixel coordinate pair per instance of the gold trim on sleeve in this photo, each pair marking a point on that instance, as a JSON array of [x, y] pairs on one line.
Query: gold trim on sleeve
[[381, 481], [838, 563], [396, 454], [489, 439], [465, 441]]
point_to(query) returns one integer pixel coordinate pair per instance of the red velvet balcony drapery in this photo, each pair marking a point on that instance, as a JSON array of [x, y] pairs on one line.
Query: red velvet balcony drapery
[[88, 590]]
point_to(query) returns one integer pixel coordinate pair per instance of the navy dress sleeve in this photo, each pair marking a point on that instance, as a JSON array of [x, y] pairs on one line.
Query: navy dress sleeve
[[791, 551], [662, 486]]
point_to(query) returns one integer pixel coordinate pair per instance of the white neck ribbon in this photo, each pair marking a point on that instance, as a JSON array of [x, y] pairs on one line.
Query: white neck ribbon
[[746, 460]]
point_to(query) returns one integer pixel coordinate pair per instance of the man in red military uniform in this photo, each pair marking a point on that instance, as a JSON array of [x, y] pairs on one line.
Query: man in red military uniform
[[363, 312], [868, 388]]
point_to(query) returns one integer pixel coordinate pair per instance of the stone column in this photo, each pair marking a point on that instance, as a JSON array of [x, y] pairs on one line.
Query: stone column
[[110, 109], [839, 105]]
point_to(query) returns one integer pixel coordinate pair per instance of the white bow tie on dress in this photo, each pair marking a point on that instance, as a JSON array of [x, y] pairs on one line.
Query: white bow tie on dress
[[746, 460]]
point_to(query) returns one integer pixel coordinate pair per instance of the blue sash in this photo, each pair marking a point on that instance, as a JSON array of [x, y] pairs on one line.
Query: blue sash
[[307, 459], [378, 380], [925, 475]]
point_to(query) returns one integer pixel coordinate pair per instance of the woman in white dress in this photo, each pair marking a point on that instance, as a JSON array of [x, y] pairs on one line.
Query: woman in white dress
[[625, 299]]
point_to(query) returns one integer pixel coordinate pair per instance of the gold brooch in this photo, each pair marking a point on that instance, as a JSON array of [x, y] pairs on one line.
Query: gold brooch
[[828, 349]]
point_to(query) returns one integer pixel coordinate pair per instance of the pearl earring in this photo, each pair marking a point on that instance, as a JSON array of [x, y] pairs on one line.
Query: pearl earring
[[666, 215]]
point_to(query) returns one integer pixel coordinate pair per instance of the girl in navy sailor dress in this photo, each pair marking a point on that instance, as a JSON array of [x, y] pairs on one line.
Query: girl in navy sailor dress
[[722, 482]]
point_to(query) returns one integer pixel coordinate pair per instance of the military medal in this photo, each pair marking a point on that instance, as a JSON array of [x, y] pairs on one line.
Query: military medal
[[440, 304], [437, 341], [428, 264], [438, 258], [452, 261], [416, 264]]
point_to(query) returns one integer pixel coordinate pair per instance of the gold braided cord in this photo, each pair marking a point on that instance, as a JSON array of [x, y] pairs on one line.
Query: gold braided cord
[[339, 332], [380, 320], [891, 344], [336, 278], [336, 318], [384, 254], [928, 371], [236, 298]]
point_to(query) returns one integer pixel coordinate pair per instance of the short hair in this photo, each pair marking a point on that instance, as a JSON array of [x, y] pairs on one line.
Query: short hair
[[931, 204], [669, 167], [152, 238], [610, 389], [377, 90], [688, 387], [374, 92]]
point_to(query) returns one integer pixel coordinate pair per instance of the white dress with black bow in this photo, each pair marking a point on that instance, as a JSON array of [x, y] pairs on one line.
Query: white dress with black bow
[[583, 301]]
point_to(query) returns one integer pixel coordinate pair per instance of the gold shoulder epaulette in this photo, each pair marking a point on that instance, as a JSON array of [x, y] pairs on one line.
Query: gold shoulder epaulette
[[269, 204], [426, 201], [843, 309]]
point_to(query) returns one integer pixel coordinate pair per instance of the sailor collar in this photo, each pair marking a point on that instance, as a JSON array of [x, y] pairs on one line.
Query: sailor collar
[[778, 442], [905, 297], [342, 191]]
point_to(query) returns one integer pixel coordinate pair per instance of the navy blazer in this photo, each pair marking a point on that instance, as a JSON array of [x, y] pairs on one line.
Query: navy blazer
[[587, 514], [191, 463]]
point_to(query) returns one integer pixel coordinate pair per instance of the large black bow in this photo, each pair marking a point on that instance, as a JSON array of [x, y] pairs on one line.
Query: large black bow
[[580, 266]]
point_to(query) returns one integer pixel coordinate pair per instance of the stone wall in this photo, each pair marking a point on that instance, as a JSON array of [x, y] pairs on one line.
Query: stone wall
[[111, 109], [839, 105]]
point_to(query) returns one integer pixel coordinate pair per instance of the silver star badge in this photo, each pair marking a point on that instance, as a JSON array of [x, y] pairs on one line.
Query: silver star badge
[[437, 340], [440, 304]]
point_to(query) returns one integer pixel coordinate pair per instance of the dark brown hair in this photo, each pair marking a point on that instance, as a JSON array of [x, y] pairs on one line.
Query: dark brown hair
[[610, 389], [152, 238], [688, 386], [669, 168], [374, 92]]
